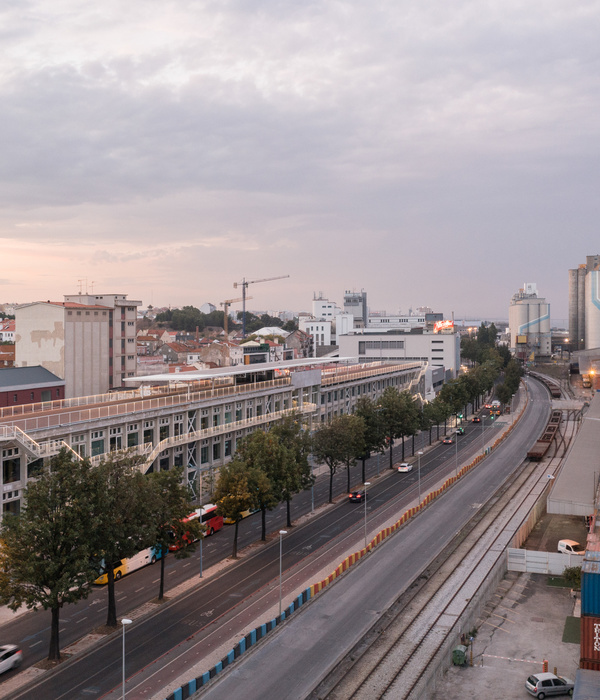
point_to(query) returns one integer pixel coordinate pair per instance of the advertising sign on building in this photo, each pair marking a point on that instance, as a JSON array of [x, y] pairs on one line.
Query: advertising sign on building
[[443, 325]]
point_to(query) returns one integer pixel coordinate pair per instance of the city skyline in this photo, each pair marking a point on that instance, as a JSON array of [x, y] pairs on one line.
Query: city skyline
[[428, 154]]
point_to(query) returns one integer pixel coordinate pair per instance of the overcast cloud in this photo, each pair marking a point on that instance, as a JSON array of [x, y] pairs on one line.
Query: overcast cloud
[[431, 153]]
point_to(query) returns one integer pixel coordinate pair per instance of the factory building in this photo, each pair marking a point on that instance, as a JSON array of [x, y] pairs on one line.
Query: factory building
[[529, 324], [584, 305]]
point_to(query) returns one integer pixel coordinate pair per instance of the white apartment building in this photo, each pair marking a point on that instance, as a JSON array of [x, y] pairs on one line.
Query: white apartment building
[[7, 331]]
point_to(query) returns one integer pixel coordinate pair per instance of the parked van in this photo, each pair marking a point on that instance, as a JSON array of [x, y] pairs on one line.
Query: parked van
[[570, 547]]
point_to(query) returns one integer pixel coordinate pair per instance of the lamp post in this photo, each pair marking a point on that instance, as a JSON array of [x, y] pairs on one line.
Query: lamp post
[[281, 534], [456, 454], [482, 434], [367, 483], [201, 538], [419, 453], [124, 623]]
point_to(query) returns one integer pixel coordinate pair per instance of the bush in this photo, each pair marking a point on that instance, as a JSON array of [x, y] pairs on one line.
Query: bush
[[572, 575]]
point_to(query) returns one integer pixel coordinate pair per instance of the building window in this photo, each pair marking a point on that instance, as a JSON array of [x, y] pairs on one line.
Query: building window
[[97, 447], [227, 450], [216, 451], [204, 454]]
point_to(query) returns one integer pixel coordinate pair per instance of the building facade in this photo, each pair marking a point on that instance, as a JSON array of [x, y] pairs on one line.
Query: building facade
[[122, 346], [191, 419], [70, 340], [529, 324], [435, 349]]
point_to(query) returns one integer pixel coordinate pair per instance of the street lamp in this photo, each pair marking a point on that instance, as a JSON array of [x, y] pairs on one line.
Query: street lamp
[[482, 434], [420, 452], [456, 455], [201, 538], [124, 622], [367, 483], [281, 534]]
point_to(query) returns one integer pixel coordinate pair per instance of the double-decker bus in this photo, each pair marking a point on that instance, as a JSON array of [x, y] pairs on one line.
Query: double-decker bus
[[208, 517], [126, 566]]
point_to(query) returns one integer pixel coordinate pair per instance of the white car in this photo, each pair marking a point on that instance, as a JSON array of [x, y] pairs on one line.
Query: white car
[[405, 467], [570, 547], [10, 657]]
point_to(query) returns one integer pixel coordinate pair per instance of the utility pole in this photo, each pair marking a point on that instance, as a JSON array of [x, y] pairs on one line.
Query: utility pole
[[244, 285]]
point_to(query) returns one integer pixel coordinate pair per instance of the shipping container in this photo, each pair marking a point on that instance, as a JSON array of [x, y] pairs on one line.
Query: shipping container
[[587, 685], [590, 642], [590, 587]]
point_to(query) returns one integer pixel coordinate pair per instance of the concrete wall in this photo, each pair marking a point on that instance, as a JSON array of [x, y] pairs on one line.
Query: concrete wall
[[40, 337]]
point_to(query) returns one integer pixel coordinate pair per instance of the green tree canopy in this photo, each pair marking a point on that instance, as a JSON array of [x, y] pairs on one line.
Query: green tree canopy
[[124, 508], [264, 451], [339, 443], [294, 474], [46, 558], [171, 503]]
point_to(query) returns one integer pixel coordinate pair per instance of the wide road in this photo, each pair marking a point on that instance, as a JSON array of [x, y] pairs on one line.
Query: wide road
[[292, 661], [97, 673]]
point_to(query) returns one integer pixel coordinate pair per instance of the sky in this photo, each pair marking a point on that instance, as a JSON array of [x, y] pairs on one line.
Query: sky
[[430, 153]]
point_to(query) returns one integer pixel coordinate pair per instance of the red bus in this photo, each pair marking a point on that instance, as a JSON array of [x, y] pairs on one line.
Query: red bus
[[208, 517]]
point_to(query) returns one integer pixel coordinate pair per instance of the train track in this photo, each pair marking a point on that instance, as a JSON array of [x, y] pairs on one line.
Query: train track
[[393, 658]]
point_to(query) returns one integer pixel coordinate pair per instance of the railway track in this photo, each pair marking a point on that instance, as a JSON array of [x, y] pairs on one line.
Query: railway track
[[393, 658]]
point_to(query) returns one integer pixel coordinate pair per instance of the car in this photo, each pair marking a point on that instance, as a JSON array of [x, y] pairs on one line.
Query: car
[[570, 547], [10, 657], [460, 431], [488, 405], [476, 419], [357, 496], [405, 467], [448, 440], [542, 685]]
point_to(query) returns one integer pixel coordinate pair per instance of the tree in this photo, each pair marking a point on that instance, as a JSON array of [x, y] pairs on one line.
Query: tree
[[238, 489], [171, 503], [339, 442], [46, 559], [264, 451], [295, 474], [399, 415], [374, 435], [124, 504]]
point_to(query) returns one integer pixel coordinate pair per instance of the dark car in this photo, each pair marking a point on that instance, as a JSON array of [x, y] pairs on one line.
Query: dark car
[[460, 431], [356, 496], [476, 419]]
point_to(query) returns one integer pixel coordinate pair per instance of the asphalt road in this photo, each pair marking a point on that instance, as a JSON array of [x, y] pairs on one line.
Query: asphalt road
[[301, 653], [97, 673]]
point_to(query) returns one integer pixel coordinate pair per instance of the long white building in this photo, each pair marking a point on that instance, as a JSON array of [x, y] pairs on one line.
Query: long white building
[[192, 419]]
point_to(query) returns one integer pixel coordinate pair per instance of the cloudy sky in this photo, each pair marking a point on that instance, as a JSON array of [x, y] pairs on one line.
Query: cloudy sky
[[430, 153]]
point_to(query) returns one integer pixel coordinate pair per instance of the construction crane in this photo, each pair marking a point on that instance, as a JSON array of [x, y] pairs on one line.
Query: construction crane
[[244, 285], [225, 304]]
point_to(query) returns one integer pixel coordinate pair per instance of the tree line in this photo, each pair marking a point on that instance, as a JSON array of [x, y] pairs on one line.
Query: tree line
[[189, 318], [78, 518]]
